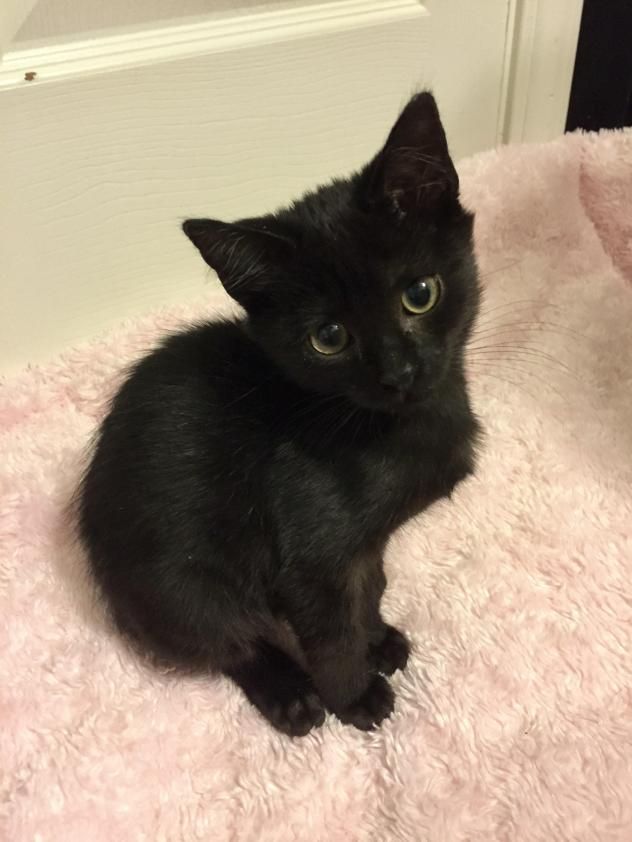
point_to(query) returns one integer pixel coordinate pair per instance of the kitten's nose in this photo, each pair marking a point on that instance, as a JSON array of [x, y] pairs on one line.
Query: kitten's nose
[[400, 378]]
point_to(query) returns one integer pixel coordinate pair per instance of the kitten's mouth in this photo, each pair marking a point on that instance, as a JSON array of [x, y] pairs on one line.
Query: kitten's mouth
[[412, 400], [395, 402]]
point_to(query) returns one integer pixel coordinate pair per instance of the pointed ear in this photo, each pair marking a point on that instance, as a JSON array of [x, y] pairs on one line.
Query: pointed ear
[[414, 171], [244, 255]]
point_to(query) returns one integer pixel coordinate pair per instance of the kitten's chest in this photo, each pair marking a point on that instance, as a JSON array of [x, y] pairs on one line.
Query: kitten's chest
[[412, 468], [354, 494]]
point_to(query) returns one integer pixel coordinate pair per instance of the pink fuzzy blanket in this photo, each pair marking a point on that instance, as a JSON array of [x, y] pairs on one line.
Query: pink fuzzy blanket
[[514, 718]]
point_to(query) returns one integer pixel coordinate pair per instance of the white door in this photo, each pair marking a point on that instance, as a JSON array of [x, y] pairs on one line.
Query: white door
[[107, 142]]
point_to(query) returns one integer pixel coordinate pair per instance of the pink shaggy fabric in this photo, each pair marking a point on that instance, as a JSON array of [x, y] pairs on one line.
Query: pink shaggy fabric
[[514, 719]]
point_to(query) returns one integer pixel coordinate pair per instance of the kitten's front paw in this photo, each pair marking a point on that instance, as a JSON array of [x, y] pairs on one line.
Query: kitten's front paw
[[374, 705], [287, 700], [391, 653], [296, 717]]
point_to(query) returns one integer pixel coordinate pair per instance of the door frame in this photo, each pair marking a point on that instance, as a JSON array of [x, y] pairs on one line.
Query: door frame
[[543, 39]]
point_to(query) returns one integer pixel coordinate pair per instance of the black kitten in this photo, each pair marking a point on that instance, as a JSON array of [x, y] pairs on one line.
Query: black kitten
[[249, 474]]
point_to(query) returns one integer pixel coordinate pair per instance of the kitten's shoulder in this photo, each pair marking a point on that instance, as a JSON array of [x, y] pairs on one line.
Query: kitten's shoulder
[[205, 343], [188, 367], [201, 349]]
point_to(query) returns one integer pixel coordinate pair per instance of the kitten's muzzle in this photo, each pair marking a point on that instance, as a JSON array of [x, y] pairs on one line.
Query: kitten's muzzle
[[399, 379]]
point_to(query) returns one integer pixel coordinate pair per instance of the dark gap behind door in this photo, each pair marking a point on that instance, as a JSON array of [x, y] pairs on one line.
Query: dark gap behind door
[[601, 92]]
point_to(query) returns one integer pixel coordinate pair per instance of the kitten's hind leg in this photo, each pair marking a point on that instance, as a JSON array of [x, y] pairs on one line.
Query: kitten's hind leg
[[280, 690]]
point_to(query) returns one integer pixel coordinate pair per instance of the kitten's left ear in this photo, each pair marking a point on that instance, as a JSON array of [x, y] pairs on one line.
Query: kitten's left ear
[[414, 171], [243, 254]]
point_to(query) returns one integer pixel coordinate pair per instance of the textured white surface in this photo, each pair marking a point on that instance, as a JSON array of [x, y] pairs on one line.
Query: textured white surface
[[98, 171], [183, 39]]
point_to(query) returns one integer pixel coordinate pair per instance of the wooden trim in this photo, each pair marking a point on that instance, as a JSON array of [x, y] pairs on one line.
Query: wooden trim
[[543, 52], [98, 55], [505, 89]]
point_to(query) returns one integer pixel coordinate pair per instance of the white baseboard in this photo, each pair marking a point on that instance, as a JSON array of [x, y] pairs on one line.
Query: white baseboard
[[117, 52]]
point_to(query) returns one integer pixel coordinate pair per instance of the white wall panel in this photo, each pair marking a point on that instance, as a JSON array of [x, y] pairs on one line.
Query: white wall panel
[[99, 168]]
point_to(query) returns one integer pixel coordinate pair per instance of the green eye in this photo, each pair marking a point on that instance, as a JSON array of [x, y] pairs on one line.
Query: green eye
[[422, 296], [330, 339]]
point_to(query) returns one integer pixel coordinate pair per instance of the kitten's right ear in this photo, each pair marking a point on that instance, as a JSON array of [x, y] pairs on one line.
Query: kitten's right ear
[[413, 173], [243, 255]]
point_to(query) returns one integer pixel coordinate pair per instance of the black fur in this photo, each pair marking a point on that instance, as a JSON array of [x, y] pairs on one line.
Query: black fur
[[244, 486]]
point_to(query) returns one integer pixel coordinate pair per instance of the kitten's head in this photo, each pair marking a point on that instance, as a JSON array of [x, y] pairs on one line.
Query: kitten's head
[[366, 287]]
